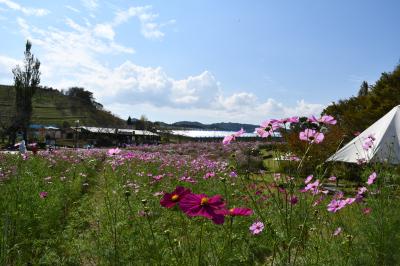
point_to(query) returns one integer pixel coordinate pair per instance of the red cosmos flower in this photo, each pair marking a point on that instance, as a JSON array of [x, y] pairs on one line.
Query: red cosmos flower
[[202, 205], [169, 200], [238, 212]]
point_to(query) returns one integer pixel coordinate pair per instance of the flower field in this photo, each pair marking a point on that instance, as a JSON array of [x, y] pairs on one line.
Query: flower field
[[193, 204]]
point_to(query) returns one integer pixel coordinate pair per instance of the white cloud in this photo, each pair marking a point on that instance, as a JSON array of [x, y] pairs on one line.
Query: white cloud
[[104, 31], [149, 28], [72, 57], [26, 10]]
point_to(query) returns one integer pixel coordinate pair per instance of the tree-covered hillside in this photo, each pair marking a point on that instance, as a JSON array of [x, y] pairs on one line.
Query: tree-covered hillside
[[52, 107]]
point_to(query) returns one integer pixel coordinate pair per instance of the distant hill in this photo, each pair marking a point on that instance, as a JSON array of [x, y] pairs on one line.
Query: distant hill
[[51, 107]]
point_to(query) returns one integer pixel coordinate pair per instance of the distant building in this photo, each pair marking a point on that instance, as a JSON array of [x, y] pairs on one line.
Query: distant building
[[100, 136], [48, 134]]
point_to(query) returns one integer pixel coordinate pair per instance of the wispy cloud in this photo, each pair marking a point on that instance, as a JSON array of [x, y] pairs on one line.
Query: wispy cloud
[[150, 29], [25, 10], [72, 8], [73, 57]]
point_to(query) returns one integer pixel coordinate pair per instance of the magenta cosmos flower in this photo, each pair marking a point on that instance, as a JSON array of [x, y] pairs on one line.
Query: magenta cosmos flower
[[43, 194], [256, 228], [228, 139], [202, 205], [238, 212], [169, 200], [312, 136]]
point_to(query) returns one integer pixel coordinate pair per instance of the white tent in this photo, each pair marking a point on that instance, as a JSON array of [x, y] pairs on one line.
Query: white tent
[[385, 148]]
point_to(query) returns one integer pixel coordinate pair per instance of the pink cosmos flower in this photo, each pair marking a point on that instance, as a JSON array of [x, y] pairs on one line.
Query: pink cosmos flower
[[337, 231], [349, 201], [203, 205], [208, 175], [308, 179], [362, 190], [371, 178], [325, 119], [336, 205], [169, 200], [313, 187], [267, 128], [312, 136], [112, 152], [228, 139], [43, 194], [332, 178], [256, 228]]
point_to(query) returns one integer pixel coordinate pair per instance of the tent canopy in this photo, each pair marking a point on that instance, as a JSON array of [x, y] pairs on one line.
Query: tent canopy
[[386, 146]]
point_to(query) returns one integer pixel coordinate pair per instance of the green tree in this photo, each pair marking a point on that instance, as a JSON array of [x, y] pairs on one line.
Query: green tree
[[129, 121], [363, 89], [26, 82]]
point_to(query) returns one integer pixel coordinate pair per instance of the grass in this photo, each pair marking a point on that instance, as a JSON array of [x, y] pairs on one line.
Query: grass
[[105, 210]]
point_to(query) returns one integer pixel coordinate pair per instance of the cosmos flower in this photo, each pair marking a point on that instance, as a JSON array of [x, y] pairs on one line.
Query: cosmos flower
[[332, 178], [294, 200], [43, 194], [325, 119], [112, 152], [308, 179], [312, 136], [336, 205], [228, 139], [169, 200], [256, 228], [337, 231], [203, 205], [238, 212], [267, 128], [371, 178]]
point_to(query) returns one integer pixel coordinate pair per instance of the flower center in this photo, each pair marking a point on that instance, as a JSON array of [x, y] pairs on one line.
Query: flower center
[[311, 138], [175, 197], [231, 210], [204, 201], [268, 128]]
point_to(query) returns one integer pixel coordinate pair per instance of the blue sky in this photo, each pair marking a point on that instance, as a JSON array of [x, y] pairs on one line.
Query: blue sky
[[210, 61]]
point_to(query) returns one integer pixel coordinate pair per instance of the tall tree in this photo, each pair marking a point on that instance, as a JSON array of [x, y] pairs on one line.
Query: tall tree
[[363, 89], [129, 121], [26, 82]]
